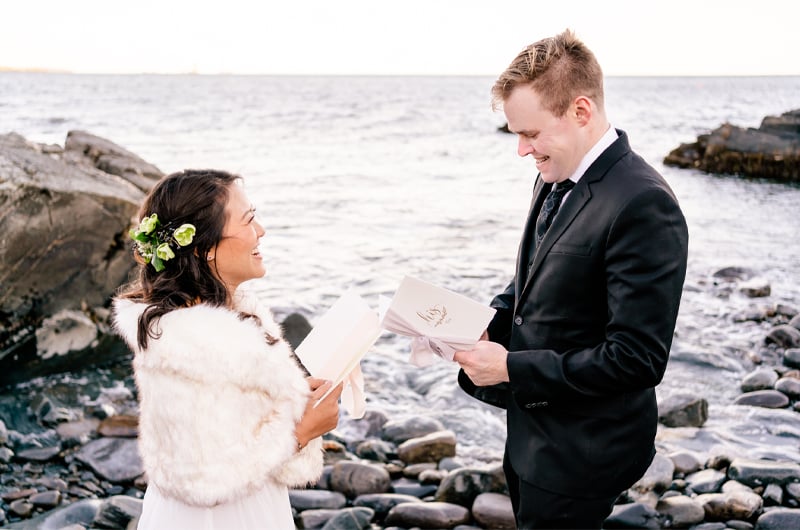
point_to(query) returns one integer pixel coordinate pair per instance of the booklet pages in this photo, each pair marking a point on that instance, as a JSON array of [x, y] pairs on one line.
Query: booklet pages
[[439, 321]]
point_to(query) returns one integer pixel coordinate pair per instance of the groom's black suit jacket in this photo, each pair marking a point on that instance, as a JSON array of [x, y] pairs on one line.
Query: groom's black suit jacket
[[589, 327]]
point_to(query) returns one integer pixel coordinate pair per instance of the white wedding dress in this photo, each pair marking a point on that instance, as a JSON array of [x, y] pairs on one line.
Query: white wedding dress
[[267, 509]]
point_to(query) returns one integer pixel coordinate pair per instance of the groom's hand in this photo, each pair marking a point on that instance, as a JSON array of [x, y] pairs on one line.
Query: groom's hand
[[485, 364]]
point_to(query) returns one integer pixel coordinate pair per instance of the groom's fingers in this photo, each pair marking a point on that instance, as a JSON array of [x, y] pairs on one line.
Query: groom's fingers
[[320, 390]]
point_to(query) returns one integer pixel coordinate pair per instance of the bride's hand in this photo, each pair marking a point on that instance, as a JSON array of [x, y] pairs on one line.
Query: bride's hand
[[318, 420]]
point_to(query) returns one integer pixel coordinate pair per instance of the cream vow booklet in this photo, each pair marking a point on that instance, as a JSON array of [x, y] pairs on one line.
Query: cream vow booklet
[[440, 322], [334, 348]]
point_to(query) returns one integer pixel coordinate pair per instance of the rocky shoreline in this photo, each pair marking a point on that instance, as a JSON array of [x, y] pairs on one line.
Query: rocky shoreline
[[68, 459]]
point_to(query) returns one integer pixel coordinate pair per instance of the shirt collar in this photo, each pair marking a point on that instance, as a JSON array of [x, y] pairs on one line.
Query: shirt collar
[[608, 138]]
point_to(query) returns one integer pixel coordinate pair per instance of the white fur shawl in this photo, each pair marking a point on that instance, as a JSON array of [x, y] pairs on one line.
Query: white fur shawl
[[218, 405]]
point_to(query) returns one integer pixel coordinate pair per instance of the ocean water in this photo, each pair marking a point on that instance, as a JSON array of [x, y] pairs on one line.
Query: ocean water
[[362, 180]]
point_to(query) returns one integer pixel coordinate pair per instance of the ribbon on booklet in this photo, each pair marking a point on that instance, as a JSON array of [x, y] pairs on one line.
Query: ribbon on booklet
[[424, 350], [354, 399]]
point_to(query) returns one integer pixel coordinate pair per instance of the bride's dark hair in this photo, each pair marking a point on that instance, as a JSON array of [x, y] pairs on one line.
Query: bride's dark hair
[[196, 196]]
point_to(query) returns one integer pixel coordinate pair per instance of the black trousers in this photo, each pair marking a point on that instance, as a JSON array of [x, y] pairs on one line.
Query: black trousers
[[535, 508]]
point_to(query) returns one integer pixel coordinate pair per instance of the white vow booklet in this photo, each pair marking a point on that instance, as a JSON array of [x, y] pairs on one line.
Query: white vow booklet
[[334, 348], [439, 321]]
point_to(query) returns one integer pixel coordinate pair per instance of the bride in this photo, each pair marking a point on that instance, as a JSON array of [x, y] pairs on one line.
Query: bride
[[227, 421]]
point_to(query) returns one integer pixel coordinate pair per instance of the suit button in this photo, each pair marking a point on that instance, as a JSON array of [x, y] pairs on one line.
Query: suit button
[[518, 320]]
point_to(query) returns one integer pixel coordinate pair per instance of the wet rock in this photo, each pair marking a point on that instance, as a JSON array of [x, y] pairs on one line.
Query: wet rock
[[789, 386], [118, 511], [658, 476], [493, 510], [296, 328], [316, 499], [681, 511], [350, 519], [791, 357], [427, 515], [766, 152], [683, 410], [314, 518], [81, 512], [376, 450], [122, 426], [357, 478], [114, 459], [759, 379], [706, 481], [779, 519], [399, 431], [633, 515], [738, 504], [6, 455], [65, 254], [39, 454], [10, 496], [685, 462], [755, 288], [413, 470], [755, 473], [785, 336], [77, 432], [432, 476], [429, 448], [21, 508], [463, 485], [732, 274], [411, 487], [771, 399], [46, 499], [381, 503], [334, 452]]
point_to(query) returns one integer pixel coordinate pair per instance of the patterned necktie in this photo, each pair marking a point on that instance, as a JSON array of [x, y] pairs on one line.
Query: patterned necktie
[[551, 204]]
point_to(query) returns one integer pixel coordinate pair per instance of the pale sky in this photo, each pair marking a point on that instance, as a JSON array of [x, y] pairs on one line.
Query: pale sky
[[427, 37]]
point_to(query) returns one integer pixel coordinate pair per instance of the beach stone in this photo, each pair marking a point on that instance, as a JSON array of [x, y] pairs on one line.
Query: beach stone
[[759, 379], [3, 433], [737, 504], [771, 399], [791, 357], [350, 519], [6, 455], [633, 515], [53, 483], [406, 486], [39, 454], [683, 410], [118, 511], [413, 470], [78, 513], [114, 459], [381, 503], [10, 496], [314, 518], [122, 426], [46, 499], [398, 431], [334, 452], [21, 508], [432, 476], [793, 490], [773, 495], [77, 432], [755, 288], [685, 462], [316, 499], [449, 463], [789, 386], [681, 511], [735, 524], [427, 515], [784, 335], [494, 510], [357, 478], [463, 485], [706, 481], [296, 328], [377, 450], [429, 448], [658, 476], [779, 519], [755, 473]]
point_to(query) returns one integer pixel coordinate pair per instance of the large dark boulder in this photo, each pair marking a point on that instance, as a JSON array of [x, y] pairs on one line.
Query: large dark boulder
[[771, 151], [63, 250]]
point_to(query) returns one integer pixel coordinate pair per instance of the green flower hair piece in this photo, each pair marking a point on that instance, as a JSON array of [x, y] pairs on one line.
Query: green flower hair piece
[[156, 243]]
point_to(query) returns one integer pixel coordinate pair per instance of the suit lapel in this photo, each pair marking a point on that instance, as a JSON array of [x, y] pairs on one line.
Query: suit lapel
[[580, 195]]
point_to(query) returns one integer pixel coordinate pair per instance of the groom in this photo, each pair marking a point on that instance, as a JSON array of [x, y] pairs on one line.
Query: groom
[[582, 333]]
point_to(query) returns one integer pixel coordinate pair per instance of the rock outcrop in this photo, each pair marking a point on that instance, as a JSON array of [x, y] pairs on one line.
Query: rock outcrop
[[64, 215], [771, 151]]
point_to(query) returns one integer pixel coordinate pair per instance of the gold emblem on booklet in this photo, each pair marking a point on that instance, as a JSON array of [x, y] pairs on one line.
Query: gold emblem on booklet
[[435, 316]]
